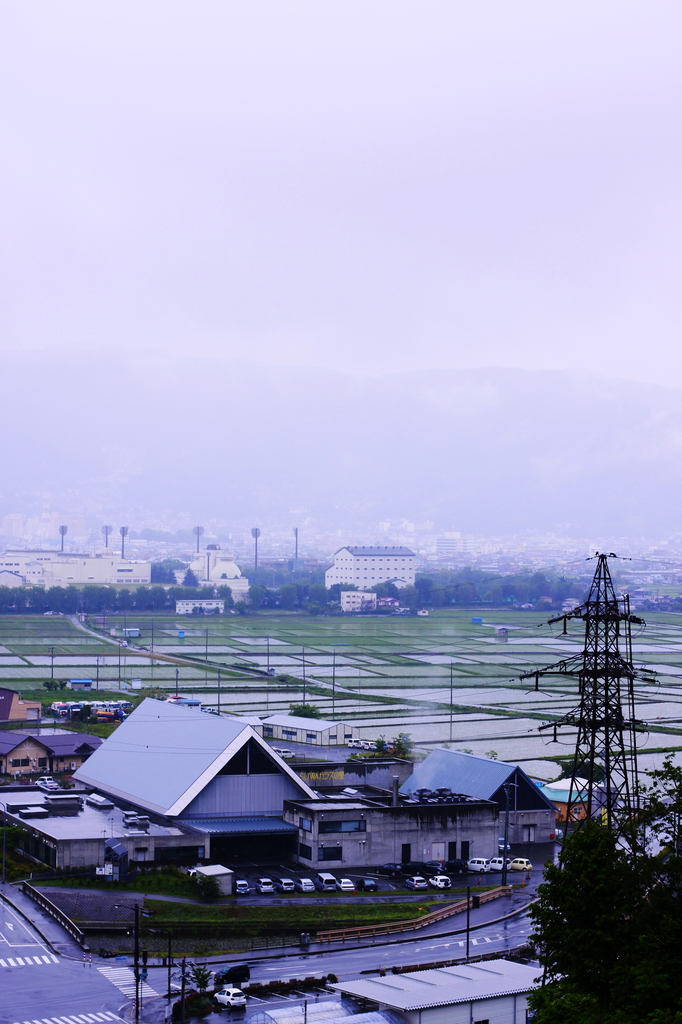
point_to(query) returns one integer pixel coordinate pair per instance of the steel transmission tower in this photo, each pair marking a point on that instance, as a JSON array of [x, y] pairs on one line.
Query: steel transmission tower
[[606, 745]]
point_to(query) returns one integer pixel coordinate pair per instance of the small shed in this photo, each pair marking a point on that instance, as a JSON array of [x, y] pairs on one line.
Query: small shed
[[222, 875]]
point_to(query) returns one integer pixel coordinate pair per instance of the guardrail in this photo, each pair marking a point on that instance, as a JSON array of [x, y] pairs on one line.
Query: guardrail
[[394, 927], [54, 911]]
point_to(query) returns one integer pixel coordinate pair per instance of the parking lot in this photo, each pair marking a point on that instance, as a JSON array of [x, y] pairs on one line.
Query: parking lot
[[383, 883]]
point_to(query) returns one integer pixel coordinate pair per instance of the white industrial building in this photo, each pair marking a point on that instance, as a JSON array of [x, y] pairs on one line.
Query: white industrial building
[[365, 567], [206, 605], [63, 568], [357, 601], [494, 991], [308, 730]]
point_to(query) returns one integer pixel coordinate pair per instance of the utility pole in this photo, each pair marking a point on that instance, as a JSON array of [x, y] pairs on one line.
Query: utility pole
[[137, 961], [604, 771], [296, 543], [468, 918], [51, 662], [507, 786], [450, 700]]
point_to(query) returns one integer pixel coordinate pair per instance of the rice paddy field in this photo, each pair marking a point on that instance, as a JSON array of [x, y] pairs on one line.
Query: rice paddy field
[[441, 678]]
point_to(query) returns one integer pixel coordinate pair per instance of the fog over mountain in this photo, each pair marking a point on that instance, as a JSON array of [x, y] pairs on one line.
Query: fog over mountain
[[481, 450]]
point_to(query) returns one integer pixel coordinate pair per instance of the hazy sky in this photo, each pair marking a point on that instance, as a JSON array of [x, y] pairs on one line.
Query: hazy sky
[[359, 185]]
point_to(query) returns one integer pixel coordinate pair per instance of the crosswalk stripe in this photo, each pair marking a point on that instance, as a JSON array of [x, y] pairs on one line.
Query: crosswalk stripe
[[83, 1018], [28, 961]]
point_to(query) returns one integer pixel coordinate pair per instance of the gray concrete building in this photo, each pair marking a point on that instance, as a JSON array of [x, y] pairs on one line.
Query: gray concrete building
[[532, 817], [368, 827]]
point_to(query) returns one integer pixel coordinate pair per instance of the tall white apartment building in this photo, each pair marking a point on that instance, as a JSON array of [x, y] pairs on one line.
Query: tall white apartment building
[[365, 567]]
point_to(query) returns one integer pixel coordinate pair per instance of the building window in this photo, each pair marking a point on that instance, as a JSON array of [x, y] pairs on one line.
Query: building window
[[20, 762], [305, 851], [311, 737], [342, 826], [42, 762], [289, 734], [306, 824], [268, 732], [330, 853]]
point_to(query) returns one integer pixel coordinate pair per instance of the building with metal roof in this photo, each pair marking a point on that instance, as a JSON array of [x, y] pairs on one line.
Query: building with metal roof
[[365, 567], [294, 729], [53, 751], [494, 990], [532, 816]]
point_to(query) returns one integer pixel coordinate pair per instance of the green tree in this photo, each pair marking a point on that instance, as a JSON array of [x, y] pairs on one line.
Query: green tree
[[208, 886], [318, 594], [608, 929], [190, 579], [402, 744], [258, 596], [200, 975], [287, 597], [305, 711]]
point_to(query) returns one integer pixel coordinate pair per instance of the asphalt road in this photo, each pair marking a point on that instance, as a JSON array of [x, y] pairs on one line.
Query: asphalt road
[[37, 985]]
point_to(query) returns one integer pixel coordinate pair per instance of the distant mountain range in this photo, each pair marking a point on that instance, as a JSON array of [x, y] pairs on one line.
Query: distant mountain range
[[484, 451]]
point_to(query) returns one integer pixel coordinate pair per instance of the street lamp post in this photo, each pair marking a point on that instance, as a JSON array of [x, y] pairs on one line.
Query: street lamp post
[[507, 786], [4, 840]]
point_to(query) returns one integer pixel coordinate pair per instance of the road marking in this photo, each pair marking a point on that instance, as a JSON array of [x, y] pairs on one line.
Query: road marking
[[83, 1018], [124, 980], [36, 961]]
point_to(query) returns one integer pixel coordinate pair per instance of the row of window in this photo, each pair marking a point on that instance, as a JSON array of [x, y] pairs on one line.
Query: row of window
[[323, 826]]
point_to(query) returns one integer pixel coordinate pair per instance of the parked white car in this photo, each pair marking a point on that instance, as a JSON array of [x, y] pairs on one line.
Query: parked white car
[[230, 997], [47, 782], [497, 863], [440, 882], [345, 885], [304, 885], [478, 865]]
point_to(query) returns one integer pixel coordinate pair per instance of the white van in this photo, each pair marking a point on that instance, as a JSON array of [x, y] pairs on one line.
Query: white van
[[325, 882], [478, 865], [355, 744]]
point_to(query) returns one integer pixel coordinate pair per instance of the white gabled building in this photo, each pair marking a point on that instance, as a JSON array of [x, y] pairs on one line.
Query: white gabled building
[[365, 567]]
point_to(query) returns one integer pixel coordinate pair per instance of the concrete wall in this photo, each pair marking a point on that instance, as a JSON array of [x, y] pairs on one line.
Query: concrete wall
[[353, 773]]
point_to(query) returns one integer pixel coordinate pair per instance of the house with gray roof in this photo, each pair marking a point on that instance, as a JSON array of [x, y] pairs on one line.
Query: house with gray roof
[[532, 815]]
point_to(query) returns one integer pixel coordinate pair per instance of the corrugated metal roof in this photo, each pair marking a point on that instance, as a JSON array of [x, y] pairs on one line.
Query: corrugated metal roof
[[162, 756], [462, 773], [232, 826], [444, 986], [293, 722], [373, 552]]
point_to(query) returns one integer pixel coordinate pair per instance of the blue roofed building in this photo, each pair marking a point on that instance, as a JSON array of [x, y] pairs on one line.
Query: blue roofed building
[[532, 815]]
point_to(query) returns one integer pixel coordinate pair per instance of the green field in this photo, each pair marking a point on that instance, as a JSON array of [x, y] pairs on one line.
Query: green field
[[386, 674]]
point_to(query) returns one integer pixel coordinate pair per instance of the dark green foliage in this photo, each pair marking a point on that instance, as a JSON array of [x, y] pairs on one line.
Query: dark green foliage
[[609, 923], [305, 711], [190, 579], [209, 887]]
